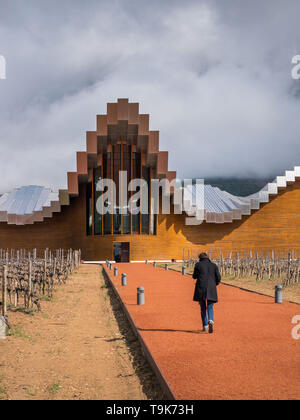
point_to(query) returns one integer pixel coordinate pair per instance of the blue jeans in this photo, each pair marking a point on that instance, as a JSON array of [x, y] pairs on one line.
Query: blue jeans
[[207, 309]]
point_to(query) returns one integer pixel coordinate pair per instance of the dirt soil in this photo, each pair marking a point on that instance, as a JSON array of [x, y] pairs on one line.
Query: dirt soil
[[79, 347], [266, 287], [252, 353]]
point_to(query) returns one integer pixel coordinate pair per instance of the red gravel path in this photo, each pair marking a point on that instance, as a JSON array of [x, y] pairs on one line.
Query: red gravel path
[[251, 354]]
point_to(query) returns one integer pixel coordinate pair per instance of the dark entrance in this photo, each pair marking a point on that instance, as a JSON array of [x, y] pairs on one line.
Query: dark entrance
[[121, 251]]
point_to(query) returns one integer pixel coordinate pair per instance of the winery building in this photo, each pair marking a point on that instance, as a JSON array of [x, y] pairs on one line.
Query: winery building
[[39, 217]]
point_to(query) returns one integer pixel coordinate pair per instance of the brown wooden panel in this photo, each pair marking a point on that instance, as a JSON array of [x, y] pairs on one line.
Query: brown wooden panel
[[72, 183], [162, 163], [153, 144], [143, 124], [122, 109], [82, 164], [275, 226], [133, 113], [91, 142], [112, 113], [102, 125]]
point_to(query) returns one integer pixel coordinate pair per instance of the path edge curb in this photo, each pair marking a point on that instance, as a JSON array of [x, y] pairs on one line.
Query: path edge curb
[[169, 394]]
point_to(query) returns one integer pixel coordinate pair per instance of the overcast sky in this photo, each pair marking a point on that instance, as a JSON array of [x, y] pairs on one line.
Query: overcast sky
[[214, 75]]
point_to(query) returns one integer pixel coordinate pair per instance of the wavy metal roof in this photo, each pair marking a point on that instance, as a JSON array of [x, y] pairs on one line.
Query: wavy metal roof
[[27, 205], [216, 206]]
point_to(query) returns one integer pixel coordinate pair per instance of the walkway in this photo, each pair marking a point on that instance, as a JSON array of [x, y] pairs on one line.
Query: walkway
[[251, 355]]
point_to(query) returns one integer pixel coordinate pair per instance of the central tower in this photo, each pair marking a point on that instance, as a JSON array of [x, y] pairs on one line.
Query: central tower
[[122, 142]]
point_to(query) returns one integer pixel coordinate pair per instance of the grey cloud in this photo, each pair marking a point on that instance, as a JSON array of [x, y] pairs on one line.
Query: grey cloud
[[215, 77]]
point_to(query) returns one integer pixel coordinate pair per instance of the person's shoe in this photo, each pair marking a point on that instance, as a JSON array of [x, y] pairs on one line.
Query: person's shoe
[[210, 327], [205, 328]]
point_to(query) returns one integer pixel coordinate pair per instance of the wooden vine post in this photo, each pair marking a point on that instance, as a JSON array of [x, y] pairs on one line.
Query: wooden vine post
[[4, 292], [29, 284]]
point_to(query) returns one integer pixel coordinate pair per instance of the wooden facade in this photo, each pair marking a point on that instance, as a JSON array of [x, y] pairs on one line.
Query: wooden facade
[[276, 225]]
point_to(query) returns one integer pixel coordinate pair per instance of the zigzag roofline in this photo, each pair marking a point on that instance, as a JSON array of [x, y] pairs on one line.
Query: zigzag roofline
[[123, 121], [223, 207]]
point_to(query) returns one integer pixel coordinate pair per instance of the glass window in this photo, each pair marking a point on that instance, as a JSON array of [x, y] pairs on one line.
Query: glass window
[[107, 175], [98, 198], [107, 223], [127, 168], [126, 223], [121, 158], [145, 217], [135, 223], [117, 222], [89, 209], [136, 173], [153, 224], [145, 224]]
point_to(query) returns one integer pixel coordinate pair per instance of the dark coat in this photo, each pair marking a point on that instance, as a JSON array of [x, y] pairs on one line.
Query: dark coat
[[208, 277]]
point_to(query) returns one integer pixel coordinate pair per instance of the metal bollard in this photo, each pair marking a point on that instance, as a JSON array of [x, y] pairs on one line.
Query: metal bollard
[[183, 270], [154, 264], [166, 267], [115, 271], [110, 266], [140, 296], [146, 262], [124, 279], [278, 293]]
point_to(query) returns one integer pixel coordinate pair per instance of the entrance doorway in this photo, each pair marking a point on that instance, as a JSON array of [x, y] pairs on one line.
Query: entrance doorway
[[121, 252]]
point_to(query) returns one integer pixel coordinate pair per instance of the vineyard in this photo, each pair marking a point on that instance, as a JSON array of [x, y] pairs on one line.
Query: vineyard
[[26, 279], [270, 265]]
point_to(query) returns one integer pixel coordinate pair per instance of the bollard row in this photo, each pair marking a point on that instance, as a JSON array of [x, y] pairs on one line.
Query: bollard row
[[140, 290], [278, 287], [140, 296], [124, 279]]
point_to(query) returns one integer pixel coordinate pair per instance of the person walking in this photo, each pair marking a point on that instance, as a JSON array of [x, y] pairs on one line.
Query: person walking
[[208, 277]]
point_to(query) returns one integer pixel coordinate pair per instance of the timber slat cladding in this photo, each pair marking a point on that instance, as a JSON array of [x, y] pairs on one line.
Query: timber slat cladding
[[91, 142], [276, 225], [102, 125], [122, 120]]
